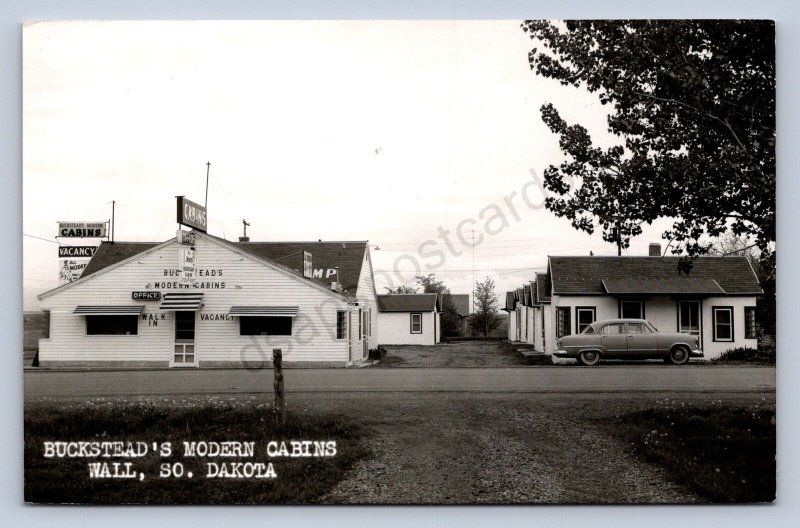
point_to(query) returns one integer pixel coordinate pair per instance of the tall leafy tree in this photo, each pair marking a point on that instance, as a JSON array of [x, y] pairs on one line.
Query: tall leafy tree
[[486, 316], [692, 104]]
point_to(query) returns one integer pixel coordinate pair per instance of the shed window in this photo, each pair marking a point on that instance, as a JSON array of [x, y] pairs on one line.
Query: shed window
[[750, 329], [279, 326], [416, 323], [112, 325], [341, 324], [723, 323], [563, 322]]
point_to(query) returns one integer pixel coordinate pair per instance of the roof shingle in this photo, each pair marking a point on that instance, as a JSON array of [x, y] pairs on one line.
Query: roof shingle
[[585, 275], [407, 302]]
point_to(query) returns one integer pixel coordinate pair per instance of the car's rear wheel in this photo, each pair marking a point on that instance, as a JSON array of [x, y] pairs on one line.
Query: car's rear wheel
[[589, 358], [679, 355]]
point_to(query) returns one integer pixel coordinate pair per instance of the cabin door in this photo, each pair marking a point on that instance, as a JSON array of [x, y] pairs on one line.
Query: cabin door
[[184, 353]]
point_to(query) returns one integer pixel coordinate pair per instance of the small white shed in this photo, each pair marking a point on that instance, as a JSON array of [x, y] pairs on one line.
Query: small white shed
[[409, 319]]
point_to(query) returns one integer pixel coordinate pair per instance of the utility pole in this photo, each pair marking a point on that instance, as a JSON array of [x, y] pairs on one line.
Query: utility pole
[[113, 203], [245, 224], [473, 267], [208, 170]]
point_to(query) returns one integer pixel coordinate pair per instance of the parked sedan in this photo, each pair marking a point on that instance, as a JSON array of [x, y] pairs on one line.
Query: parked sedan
[[627, 339]]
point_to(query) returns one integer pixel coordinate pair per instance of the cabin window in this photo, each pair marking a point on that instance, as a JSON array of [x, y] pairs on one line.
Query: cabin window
[[341, 324], [369, 322], [277, 326], [689, 317], [112, 325], [584, 316], [723, 323], [631, 309], [563, 323], [416, 323], [750, 329]]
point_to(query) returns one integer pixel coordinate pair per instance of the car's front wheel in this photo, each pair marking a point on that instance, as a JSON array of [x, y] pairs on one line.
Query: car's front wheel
[[679, 355], [589, 358]]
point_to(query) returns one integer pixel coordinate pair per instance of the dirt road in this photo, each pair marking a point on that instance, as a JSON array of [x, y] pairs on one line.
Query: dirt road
[[459, 448]]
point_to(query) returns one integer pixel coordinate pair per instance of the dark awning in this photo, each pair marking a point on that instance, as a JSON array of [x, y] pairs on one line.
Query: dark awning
[[665, 286], [263, 311], [109, 310], [182, 301]]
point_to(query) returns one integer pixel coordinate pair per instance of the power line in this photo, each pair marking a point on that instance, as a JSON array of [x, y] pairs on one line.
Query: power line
[[40, 238], [468, 269]]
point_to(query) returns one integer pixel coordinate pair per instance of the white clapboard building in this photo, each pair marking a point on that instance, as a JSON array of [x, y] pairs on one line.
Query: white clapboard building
[[410, 319], [713, 298], [137, 305]]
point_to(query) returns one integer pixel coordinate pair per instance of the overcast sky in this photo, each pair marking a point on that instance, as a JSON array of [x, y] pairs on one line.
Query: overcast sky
[[391, 132]]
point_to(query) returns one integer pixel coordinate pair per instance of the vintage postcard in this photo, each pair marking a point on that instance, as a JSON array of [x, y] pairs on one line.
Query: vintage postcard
[[399, 262]]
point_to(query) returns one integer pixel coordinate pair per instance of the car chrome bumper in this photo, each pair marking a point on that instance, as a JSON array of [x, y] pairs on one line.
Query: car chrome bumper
[[562, 354], [696, 353]]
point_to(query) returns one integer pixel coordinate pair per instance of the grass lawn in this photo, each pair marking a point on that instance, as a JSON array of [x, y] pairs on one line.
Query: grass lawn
[[722, 454], [299, 479]]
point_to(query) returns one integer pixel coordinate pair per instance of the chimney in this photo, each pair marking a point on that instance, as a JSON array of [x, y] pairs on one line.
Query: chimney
[[655, 250], [244, 239]]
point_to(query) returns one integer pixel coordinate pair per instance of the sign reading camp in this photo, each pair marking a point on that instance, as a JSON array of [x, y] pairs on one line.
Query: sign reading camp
[[192, 215]]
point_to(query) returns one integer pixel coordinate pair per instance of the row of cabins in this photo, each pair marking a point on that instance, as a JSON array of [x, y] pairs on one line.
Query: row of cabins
[[711, 297], [132, 307]]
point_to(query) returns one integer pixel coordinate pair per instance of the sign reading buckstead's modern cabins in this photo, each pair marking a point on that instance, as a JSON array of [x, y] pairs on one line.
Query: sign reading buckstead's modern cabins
[[82, 229], [192, 215]]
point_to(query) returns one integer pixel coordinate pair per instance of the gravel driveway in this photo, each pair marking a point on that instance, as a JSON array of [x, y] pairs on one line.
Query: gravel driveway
[[459, 354], [457, 448]]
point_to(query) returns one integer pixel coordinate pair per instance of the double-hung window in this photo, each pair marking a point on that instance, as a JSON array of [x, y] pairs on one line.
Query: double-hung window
[[723, 323], [416, 323]]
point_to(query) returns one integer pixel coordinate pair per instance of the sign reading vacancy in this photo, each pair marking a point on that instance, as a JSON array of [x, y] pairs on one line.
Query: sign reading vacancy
[[76, 251], [192, 214], [82, 229]]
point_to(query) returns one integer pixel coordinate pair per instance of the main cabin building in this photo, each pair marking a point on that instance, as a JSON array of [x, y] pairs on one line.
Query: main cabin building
[[133, 307]]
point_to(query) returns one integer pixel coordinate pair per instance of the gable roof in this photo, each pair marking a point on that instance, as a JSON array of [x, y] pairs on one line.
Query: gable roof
[[407, 302], [585, 275], [347, 256], [542, 291], [114, 259], [460, 302], [108, 253], [511, 300]]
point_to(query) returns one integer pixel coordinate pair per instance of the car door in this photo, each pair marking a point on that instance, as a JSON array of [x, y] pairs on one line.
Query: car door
[[614, 340], [642, 341]]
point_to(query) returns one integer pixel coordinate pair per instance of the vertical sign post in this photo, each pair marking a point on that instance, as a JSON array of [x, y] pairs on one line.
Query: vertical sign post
[[280, 404], [308, 269]]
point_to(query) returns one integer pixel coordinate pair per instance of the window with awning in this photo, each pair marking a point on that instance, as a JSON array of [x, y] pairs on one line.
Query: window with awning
[[110, 320], [182, 301], [263, 311], [264, 320]]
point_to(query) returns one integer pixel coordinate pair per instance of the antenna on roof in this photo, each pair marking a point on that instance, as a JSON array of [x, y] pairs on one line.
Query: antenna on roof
[[244, 237]]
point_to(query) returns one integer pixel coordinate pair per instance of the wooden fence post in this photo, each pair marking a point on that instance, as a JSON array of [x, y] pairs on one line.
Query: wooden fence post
[[277, 368]]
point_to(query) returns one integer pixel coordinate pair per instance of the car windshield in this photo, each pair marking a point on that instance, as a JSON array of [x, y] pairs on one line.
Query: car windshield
[[588, 330]]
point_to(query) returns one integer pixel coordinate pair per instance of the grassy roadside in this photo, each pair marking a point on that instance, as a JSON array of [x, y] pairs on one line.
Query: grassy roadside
[[299, 479], [722, 454]]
